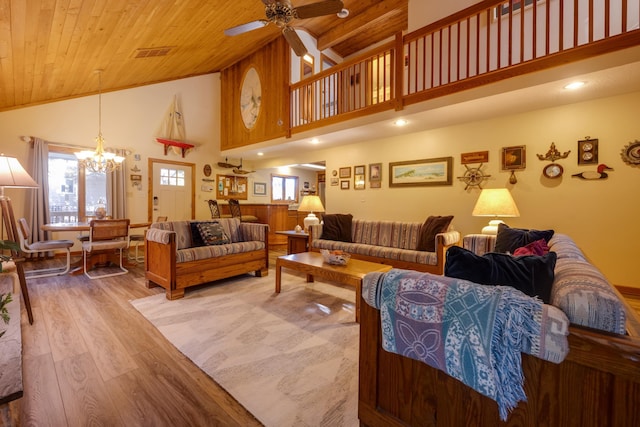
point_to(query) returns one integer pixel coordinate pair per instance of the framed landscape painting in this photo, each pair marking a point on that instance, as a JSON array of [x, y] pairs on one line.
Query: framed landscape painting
[[418, 173]]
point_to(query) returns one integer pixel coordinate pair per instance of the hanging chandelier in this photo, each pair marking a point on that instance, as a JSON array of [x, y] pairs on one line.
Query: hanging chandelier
[[100, 161]]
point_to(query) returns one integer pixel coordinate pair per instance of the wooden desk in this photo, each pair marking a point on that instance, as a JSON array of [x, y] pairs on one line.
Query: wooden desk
[[296, 242]]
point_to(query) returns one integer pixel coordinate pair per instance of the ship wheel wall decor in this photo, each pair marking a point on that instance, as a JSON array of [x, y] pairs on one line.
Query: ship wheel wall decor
[[473, 177]]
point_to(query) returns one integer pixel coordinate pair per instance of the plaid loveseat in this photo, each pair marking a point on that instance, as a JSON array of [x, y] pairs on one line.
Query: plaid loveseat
[[389, 242], [175, 260]]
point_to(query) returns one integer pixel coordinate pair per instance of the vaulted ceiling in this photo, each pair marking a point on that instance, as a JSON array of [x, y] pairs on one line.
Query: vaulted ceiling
[[50, 49]]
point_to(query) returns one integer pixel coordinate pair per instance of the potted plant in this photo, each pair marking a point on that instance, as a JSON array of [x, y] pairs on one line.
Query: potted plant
[[6, 298]]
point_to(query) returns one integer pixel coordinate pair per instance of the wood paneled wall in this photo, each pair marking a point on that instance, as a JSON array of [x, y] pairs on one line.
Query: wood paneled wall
[[272, 64]]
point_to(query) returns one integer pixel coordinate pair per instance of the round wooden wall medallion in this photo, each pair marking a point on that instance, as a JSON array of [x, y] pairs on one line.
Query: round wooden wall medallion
[[207, 170]]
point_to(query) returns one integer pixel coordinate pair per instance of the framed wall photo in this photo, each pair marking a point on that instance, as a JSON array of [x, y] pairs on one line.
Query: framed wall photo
[[359, 177], [344, 184], [345, 172], [375, 184], [588, 152], [375, 172], [259, 188], [514, 158], [334, 181], [419, 173]]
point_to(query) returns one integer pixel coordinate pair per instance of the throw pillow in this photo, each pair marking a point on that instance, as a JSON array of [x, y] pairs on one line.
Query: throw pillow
[[532, 275], [539, 247], [432, 226], [337, 227], [212, 233], [509, 239], [196, 238]]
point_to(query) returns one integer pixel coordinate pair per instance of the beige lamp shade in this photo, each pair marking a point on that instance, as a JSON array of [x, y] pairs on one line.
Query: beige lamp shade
[[495, 202], [13, 175], [311, 204]]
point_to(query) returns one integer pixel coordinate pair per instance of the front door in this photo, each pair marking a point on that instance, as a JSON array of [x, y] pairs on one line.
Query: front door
[[172, 190]]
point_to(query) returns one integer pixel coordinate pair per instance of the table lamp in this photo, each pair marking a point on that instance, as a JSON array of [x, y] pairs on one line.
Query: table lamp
[[495, 202], [311, 204]]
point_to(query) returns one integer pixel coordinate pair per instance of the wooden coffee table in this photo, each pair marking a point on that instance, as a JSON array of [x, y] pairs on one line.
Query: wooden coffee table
[[313, 264]]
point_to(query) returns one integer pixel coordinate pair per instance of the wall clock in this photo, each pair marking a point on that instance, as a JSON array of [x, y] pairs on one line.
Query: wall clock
[[553, 170], [250, 98]]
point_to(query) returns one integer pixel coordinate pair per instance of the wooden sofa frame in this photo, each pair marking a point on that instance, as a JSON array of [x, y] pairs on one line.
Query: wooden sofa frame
[[598, 384], [438, 268], [162, 270]]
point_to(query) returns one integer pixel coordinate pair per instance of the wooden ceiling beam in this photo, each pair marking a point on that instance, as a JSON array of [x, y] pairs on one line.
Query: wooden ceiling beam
[[369, 19]]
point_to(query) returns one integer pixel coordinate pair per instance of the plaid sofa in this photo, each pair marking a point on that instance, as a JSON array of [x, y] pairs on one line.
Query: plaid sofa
[[173, 262], [579, 289], [388, 242]]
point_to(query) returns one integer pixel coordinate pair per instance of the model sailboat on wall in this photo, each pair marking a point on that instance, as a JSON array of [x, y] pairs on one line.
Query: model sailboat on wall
[[172, 131]]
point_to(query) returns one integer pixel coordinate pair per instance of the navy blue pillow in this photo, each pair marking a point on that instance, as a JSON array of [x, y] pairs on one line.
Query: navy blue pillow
[[530, 274], [337, 227], [509, 239]]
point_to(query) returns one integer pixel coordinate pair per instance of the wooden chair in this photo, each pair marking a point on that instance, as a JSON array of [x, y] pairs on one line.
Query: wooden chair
[[42, 246], [106, 235], [234, 208], [136, 240], [213, 207]]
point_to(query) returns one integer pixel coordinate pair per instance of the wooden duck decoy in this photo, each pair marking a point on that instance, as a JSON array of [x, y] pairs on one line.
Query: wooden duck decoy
[[600, 174]]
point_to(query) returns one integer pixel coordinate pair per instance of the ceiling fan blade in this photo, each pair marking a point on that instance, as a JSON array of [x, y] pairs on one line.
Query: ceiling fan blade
[[318, 9], [294, 41], [268, 2], [249, 26]]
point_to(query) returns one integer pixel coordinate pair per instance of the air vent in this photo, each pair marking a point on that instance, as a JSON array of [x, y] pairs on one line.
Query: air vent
[[150, 52]]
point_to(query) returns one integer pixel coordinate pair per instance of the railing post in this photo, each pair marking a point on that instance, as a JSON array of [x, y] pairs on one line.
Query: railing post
[[399, 73]]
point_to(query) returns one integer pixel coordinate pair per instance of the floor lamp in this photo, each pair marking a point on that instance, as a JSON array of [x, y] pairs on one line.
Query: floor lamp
[[13, 175]]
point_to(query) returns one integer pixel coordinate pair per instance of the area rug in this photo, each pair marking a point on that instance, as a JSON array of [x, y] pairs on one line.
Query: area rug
[[291, 359]]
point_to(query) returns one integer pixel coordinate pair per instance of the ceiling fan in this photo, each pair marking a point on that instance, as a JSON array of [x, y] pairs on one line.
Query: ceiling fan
[[282, 12]]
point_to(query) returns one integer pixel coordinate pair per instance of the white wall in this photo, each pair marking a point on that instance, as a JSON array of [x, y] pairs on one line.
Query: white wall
[[600, 215]]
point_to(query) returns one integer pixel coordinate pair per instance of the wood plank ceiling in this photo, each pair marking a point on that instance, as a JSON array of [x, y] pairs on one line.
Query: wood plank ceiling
[[50, 49]]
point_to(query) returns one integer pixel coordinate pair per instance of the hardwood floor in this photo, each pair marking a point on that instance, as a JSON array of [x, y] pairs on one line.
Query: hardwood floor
[[91, 359]]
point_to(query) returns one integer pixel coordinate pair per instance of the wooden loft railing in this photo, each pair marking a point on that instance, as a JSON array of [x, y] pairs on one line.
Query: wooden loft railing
[[485, 43]]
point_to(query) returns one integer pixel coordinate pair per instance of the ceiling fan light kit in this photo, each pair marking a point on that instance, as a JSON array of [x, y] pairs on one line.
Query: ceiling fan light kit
[[282, 12]]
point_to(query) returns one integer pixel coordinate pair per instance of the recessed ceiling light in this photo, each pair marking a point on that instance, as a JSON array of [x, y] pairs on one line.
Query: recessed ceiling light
[[343, 13], [261, 154], [315, 141], [401, 122], [574, 85]]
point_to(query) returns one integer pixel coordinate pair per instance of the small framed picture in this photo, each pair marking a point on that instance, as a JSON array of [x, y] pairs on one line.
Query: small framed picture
[[375, 172], [588, 151], [259, 188], [345, 172], [344, 184], [136, 177], [334, 181], [514, 158], [375, 184], [358, 177]]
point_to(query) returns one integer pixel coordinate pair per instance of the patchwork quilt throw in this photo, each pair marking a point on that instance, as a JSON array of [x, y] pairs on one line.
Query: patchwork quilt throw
[[474, 333]]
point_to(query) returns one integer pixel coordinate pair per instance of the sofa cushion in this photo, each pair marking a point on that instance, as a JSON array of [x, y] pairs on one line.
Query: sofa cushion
[[509, 239], [532, 275], [196, 238], [432, 226], [212, 233], [337, 227]]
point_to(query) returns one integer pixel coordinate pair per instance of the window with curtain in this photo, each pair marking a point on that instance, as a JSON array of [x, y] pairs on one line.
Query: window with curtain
[[73, 192]]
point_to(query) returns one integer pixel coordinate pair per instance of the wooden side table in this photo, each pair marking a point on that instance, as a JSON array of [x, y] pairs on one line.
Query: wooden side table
[[296, 241]]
